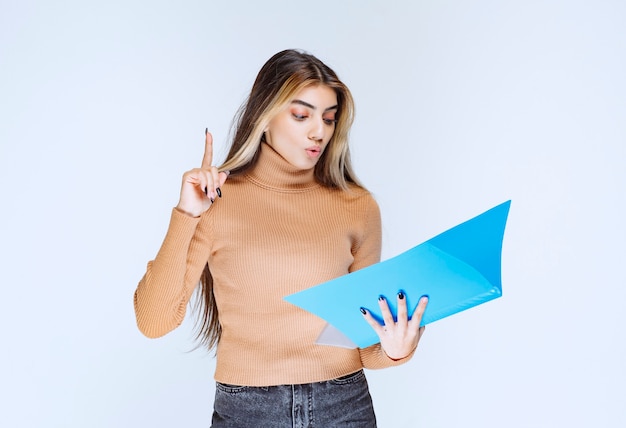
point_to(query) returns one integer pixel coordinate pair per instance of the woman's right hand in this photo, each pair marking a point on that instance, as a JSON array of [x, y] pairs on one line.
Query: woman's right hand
[[201, 185]]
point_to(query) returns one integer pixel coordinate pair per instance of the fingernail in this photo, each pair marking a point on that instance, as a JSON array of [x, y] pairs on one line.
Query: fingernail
[[401, 295], [219, 192], [206, 191], [381, 298], [206, 131], [212, 200], [363, 311]]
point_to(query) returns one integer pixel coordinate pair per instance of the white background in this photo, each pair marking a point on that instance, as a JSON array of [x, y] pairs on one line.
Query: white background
[[461, 105]]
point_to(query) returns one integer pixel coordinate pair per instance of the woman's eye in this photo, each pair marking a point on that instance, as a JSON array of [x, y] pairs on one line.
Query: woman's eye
[[299, 116], [330, 121]]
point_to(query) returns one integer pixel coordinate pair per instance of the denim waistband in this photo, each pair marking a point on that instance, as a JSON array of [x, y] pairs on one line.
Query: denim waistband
[[342, 402]]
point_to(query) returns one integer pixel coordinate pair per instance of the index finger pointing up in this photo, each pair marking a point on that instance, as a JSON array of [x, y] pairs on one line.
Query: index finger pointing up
[[207, 160]]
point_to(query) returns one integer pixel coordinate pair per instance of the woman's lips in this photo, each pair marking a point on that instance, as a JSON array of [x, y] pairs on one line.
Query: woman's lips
[[313, 152]]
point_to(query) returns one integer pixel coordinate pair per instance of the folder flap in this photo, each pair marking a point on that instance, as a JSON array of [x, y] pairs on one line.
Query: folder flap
[[478, 241]]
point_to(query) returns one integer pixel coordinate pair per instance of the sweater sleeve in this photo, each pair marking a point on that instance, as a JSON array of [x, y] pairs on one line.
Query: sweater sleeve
[[162, 295], [366, 249], [366, 253]]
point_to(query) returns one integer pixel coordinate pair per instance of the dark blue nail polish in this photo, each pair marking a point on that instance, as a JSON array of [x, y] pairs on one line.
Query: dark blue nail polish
[[363, 311], [381, 298], [206, 131], [219, 192], [212, 200], [401, 295]]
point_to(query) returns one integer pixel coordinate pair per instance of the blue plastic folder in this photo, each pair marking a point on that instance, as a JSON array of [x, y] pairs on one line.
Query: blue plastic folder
[[457, 270]]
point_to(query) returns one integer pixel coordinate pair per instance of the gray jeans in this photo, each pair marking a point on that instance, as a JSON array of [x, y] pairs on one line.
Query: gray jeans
[[343, 402]]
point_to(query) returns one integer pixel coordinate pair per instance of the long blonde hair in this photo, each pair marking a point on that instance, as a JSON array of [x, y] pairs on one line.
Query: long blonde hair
[[276, 85]]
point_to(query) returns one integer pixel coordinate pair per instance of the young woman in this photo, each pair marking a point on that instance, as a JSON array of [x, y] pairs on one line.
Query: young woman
[[283, 213]]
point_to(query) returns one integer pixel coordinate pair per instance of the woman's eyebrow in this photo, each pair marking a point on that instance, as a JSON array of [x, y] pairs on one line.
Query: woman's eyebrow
[[311, 106]]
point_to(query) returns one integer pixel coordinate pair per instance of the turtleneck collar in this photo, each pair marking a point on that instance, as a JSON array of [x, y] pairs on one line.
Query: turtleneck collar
[[273, 172]]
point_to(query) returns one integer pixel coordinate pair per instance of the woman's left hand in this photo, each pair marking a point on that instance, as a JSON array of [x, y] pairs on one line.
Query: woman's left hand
[[398, 338]]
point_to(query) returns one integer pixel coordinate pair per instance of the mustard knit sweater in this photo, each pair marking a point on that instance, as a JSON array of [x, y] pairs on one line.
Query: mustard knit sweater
[[276, 231]]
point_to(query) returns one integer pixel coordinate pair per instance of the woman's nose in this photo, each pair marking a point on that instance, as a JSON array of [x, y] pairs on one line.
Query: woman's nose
[[316, 132]]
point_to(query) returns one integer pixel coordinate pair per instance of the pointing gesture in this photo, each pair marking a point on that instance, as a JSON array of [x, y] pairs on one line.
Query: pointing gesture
[[207, 159], [201, 185]]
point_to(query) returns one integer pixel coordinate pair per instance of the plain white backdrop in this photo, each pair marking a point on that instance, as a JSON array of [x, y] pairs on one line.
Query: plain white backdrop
[[461, 105]]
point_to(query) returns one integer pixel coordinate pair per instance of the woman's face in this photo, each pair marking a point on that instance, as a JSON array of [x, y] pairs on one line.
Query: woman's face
[[301, 131]]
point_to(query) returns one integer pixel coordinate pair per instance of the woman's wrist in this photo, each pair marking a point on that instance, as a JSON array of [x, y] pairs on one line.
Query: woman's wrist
[[399, 359], [182, 211]]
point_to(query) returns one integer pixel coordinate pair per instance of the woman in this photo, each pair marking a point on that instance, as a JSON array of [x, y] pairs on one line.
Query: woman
[[283, 213]]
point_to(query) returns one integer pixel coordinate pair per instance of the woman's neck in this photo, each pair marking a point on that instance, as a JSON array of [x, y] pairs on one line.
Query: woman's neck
[[272, 171]]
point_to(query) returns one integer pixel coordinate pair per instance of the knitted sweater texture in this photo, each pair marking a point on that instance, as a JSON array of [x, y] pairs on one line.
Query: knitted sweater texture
[[275, 231]]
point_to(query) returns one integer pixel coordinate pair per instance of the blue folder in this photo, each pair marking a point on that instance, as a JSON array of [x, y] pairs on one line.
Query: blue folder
[[457, 270]]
